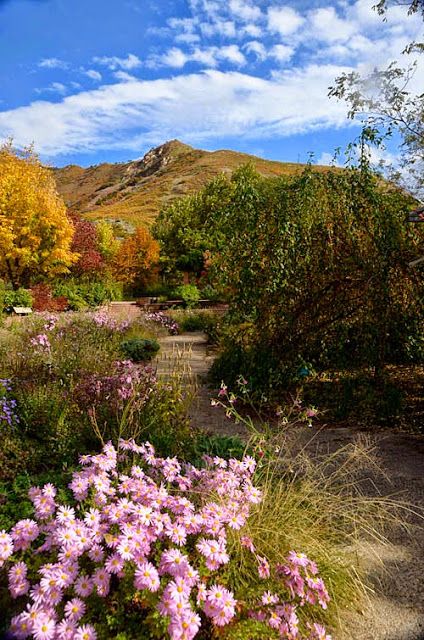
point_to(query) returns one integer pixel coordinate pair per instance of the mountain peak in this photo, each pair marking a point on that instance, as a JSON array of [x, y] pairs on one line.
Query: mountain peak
[[159, 157], [171, 148]]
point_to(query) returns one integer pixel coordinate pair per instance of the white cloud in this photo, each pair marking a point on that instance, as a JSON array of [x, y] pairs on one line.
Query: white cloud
[[207, 57], [114, 62], [282, 52], [257, 48], [245, 10], [186, 29], [337, 37], [284, 20], [363, 13], [53, 63], [279, 52], [328, 159], [196, 107], [232, 54], [222, 28], [252, 30], [93, 74], [54, 87], [175, 58], [123, 76], [327, 26]]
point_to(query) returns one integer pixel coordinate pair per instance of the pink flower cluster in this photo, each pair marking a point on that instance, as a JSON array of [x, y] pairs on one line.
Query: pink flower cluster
[[50, 320], [125, 382], [41, 342], [300, 576], [165, 321], [161, 522], [102, 319]]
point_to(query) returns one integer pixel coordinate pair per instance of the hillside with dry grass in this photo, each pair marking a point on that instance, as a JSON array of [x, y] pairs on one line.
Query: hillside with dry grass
[[134, 192]]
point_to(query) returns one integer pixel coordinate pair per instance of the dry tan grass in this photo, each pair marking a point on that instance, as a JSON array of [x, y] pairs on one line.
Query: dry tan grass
[[121, 192], [330, 509]]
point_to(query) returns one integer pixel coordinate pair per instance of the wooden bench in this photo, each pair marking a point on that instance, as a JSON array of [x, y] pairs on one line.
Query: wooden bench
[[22, 311]]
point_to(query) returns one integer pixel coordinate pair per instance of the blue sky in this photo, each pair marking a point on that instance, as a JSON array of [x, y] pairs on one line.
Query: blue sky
[[105, 80]]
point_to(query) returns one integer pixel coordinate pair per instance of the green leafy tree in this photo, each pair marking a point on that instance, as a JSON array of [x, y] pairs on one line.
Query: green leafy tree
[[182, 229], [316, 269]]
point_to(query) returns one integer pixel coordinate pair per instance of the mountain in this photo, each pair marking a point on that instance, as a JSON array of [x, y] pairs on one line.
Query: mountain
[[134, 192]]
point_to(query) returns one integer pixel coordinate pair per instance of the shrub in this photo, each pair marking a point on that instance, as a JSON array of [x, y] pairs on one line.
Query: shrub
[[158, 290], [2, 295], [165, 418], [88, 294], [199, 320], [14, 457], [353, 394], [16, 298], [291, 256], [43, 299], [48, 348], [192, 322], [190, 294], [209, 293], [49, 425], [152, 549], [71, 388], [225, 447], [139, 349]]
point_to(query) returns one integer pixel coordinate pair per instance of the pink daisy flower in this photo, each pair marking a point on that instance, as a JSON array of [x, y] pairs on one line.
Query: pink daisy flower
[[74, 609], [85, 632], [44, 628], [83, 586], [65, 630], [146, 577]]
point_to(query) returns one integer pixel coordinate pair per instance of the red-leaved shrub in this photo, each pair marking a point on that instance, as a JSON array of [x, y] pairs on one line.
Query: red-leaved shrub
[[43, 299]]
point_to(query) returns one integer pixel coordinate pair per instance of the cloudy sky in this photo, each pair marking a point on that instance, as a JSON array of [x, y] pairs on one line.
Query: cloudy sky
[[89, 81]]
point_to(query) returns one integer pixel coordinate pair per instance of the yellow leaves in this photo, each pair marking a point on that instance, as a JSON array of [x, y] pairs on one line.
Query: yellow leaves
[[35, 233]]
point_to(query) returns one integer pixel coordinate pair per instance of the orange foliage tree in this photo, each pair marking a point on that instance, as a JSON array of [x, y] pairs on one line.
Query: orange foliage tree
[[136, 258], [35, 233]]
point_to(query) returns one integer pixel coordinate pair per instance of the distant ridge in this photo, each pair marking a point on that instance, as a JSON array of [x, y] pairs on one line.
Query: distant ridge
[[134, 192]]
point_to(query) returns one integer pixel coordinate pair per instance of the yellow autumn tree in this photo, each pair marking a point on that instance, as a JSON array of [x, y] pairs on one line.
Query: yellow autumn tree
[[35, 232], [136, 258], [108, 245]]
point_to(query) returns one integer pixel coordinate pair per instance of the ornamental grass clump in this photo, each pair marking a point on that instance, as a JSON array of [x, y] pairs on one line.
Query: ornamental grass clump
[[142, 551], [321, 501]]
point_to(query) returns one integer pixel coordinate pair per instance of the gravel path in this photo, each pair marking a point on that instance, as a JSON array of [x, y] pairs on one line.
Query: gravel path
[[396, 611]]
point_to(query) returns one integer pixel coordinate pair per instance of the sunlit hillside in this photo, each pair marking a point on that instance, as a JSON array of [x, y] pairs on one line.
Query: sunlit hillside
[[134, 192]]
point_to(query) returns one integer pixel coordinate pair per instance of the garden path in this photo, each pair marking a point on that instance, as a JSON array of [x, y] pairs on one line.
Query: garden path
[[396, 611]]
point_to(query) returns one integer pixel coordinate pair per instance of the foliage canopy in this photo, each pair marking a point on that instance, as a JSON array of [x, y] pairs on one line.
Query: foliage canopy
[[35, 233], [136, 257], [315, 267]]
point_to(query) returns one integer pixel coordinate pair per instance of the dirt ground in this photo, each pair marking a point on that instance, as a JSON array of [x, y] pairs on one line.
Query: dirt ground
[[396, 610]]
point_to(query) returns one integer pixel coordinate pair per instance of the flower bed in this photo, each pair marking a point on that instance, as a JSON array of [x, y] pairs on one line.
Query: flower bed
[[143, 547]]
